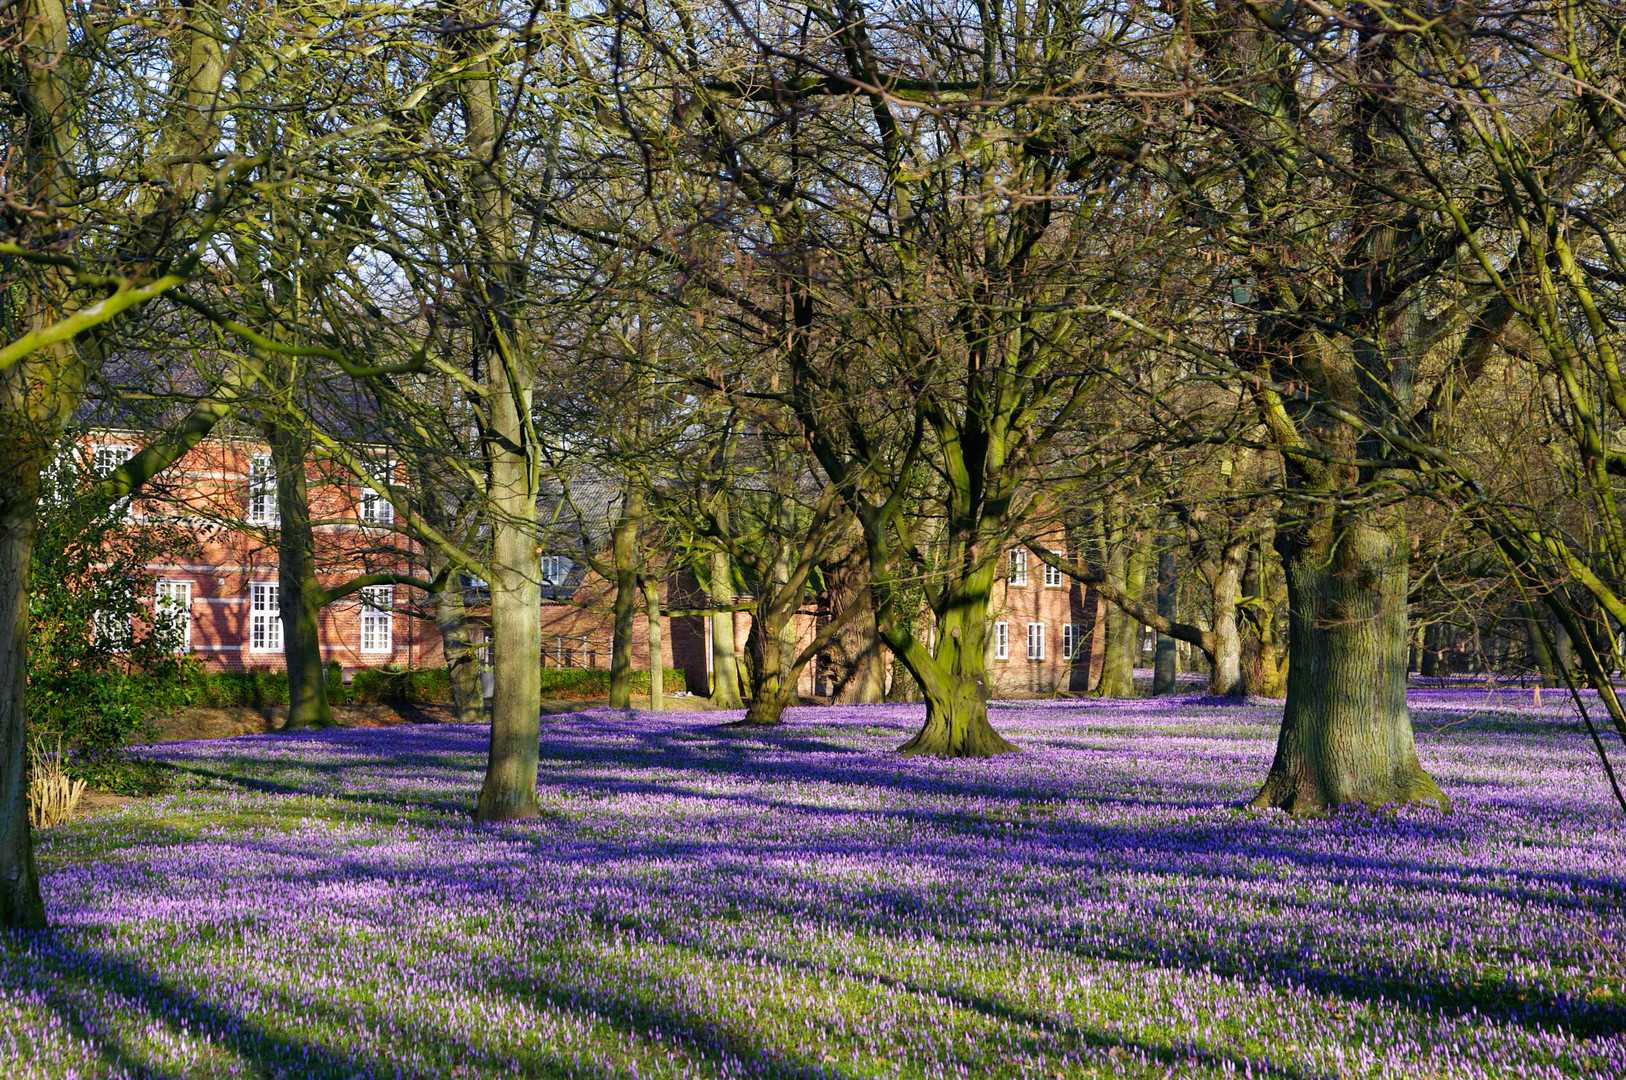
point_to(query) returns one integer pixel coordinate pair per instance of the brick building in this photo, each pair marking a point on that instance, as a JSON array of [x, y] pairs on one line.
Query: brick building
[[222, 578], [1046, 635]]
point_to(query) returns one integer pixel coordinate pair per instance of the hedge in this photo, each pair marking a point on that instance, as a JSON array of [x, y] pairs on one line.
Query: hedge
[[595, 682], [427, 686]]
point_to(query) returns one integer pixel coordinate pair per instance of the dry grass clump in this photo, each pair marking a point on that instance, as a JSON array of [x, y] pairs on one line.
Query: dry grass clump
[[52, 794]]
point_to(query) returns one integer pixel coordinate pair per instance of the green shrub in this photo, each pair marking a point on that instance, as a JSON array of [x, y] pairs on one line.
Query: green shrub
[[254, 689], [336, 692], [595, 682], [426, 686]]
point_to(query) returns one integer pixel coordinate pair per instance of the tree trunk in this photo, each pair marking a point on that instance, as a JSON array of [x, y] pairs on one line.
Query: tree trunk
[[657, 658], [955, 682], [1264, 668], [1125, 565], [300, 597], [903, 687], [624, 553], [462, 665], [725, 671], [772, 689], [1226, 677], [1163, 674], [1541, 654], [1346, 734], [20, 902], [857, 670], [1434, 645], [509, 790]]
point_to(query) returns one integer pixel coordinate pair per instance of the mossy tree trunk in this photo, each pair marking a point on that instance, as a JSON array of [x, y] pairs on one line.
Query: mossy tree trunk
[[1264, 660], [657, 659], [1346, 733], [300, 597], [1124, 562], [725, 671], [496, 293], [1168, 594], [954, 682]]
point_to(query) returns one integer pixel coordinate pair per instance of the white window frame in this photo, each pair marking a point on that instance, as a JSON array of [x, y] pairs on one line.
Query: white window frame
[[176, 596], [1072, 640], [264, 617], [105, 457], [107, 630], [1053, 577], [1035, 641], [553, 571], [373, 508], [262, 491], [1019, 566], [378, 619], [1002, 641]]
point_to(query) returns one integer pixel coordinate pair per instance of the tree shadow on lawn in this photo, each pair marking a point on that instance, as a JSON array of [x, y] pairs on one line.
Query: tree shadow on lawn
[[722, 880], [279, 1055], [666, 752]]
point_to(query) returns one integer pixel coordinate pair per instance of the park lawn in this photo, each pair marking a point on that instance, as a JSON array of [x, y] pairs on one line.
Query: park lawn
[[804, 902]]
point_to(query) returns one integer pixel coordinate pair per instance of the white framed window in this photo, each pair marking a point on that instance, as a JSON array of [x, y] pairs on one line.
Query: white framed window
[[553, 569], [373, 508], [1053, 578], [264, 620], [112, 630], [1072, 641], [109, 456], [262, 491], [1019, 566], [377, 618], [174, 603], [1002, 641], [1035, 641]]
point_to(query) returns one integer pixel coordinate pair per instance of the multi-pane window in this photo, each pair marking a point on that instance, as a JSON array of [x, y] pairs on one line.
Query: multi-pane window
[[1002, 641], [108, 457], [174, 607], [104, 459], [1035, 641], [1053, 578], [112, 630], [1019, 566], [264, 620], [377, 618], [553, 570], [1072, 641], [262, 491], [375, 509]]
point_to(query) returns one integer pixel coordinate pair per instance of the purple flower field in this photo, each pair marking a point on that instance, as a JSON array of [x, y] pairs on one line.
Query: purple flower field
[[805, 903]]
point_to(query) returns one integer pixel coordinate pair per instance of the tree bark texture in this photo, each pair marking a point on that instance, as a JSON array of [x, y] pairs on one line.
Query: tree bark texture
[[725, 671], [509, 789], [856, 664], [624, 553], [300, 597], [1168, 591], [956, 685], [1125, 564], [657, 659], [1346, 734], [462, 665], [1225, 680], [20, 902]]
